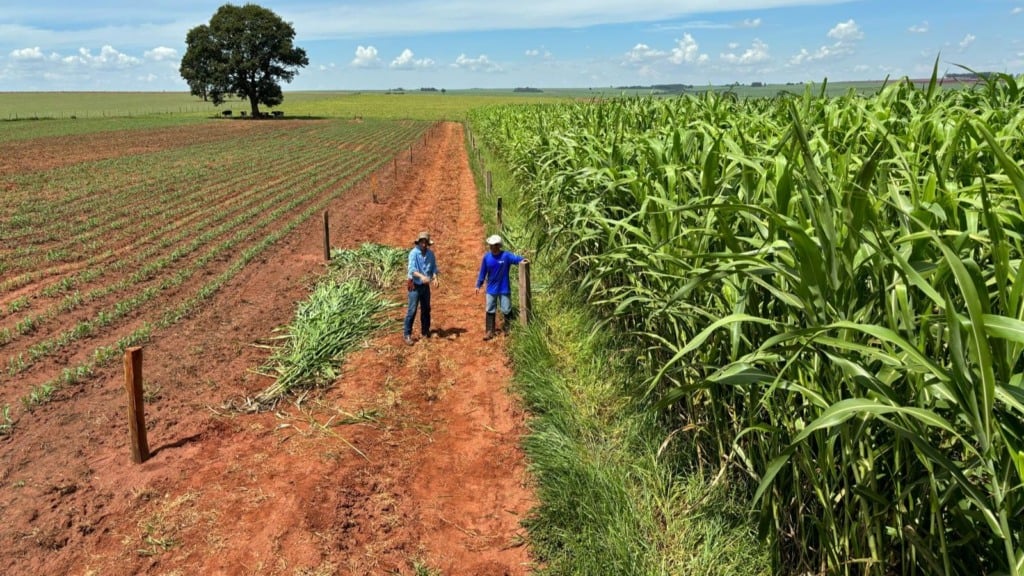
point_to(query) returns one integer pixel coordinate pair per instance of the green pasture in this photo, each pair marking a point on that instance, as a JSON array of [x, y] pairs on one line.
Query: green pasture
[[16, 106], [83, 105], [160, 108]]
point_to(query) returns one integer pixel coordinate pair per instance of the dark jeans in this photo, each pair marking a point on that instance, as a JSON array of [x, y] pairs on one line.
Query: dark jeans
[[418, 296]]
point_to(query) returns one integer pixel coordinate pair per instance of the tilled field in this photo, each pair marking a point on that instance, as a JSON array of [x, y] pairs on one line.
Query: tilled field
[[197, 244]]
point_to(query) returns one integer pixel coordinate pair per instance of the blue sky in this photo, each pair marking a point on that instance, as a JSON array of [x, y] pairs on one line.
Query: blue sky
[[380, 44]]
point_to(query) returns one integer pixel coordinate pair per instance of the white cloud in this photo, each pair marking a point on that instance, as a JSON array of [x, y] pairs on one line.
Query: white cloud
[[751, 23], [845, 35], [366, 57], [687, 51], [407, 61], [1017, 10], [538, 53], [28, 54], [919, 28], [479, 64], [967, 41], [805, 57], [846, 31], [642, 53], [756, 54], [108, 57], [161, 53]]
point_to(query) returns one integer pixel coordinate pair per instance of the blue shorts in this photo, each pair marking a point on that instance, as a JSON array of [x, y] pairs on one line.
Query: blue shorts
[[502, 300]]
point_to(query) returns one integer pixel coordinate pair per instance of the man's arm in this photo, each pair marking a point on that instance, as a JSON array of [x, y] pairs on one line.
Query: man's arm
[[483, 273]]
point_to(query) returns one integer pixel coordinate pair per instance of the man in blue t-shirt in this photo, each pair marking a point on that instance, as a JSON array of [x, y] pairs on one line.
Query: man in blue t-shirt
[[494, 269], [422, 271]]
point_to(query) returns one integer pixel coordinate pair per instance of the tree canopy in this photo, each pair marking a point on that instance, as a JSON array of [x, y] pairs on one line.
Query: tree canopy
[[244, 50]]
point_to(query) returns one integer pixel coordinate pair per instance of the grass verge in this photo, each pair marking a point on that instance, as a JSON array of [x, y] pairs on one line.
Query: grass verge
[[617, 494]]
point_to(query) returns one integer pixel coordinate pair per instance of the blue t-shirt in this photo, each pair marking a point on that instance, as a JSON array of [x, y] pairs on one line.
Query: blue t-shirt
[[421, 262], [495, 270]]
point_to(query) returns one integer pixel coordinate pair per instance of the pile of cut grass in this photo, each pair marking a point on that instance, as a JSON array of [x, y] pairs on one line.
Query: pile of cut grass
[[345, 307]]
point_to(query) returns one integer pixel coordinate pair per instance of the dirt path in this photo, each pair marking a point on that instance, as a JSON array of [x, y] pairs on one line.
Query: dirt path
[[411, 460]]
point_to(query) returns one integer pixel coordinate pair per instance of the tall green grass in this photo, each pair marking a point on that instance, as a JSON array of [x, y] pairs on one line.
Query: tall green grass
[[824, 292], [612, 500]]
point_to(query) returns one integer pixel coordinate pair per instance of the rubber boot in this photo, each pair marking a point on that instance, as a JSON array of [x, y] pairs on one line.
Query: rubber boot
[[506, 325], [490, 327]]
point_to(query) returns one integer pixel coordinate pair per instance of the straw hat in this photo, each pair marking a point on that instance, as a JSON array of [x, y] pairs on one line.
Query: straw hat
[[424, 236], [494, 240]]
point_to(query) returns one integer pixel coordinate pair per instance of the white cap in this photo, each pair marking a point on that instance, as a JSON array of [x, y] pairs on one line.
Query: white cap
[[493, 239]]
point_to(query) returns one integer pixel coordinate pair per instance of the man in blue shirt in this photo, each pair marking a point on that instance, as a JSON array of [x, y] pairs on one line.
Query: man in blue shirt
[[422, 272], [494, 268]]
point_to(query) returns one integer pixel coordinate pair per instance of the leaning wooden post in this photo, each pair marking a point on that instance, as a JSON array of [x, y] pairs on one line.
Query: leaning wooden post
[[487, 178], [410, 152], [500, 223], [396, 168], [327, 238], [136, 409], [525, 299]]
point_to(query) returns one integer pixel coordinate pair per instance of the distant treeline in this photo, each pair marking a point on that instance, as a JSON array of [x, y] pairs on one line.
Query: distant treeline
[[670, 88], [967, 76]]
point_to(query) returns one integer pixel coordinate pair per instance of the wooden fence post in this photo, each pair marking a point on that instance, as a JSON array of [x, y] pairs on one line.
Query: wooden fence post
[[500, 223], [487, 178], [525, 298], [327, 238], [136, 409]]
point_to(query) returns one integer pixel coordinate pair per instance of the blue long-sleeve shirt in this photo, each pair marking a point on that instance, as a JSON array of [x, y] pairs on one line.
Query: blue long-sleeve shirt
[[422, 262], [495, 270]]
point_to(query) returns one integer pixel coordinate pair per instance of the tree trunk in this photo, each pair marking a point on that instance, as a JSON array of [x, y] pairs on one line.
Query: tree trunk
[[255, 107]]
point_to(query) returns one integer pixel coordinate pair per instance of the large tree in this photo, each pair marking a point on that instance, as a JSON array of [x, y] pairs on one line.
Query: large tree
[[245, 51]]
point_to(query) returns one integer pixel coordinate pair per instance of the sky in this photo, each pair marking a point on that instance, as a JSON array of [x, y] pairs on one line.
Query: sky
[[107, 45]]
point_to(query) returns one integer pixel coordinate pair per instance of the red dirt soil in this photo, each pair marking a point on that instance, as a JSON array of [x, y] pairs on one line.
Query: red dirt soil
[[410, 462]]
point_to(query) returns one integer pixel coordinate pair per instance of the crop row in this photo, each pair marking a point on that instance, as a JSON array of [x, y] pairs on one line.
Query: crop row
[[86, 192], [192, 212], [154, 199], [172, 212], [243, 214], [146, 267]]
